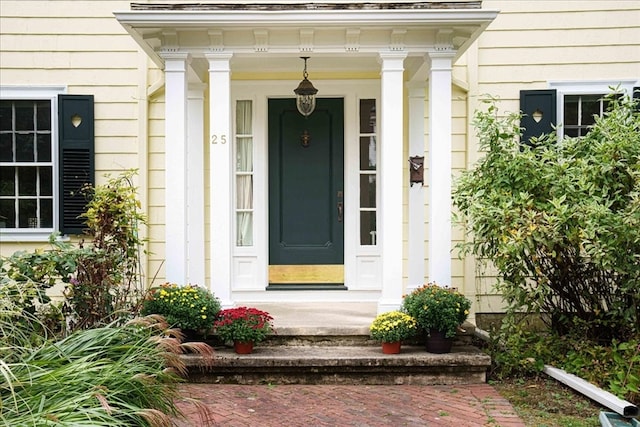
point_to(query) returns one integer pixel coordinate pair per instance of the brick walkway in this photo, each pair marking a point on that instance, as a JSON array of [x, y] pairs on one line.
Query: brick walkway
[[342, 405]]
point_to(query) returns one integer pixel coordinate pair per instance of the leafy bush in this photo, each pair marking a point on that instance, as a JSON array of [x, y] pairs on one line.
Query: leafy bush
[[107, 284], [436, 307], [37, 271], [103, 279], [245, 324], [516, 351], [393, 326], [185, 307], [560, 220]]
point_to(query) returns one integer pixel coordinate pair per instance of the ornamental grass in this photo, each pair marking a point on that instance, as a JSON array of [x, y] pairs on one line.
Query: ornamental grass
[[393, 326], [109, 376]]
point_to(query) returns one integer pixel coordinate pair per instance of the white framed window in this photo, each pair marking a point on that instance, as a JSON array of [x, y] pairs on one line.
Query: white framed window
[[28, 167], [579, 102]]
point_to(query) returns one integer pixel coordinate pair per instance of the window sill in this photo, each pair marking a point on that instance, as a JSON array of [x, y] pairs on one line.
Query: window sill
[[29, 237]]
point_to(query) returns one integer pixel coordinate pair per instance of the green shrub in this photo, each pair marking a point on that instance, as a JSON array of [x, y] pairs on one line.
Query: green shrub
[[103, 279], [435, 307], [518, 351], [186, 307], [560, 220]]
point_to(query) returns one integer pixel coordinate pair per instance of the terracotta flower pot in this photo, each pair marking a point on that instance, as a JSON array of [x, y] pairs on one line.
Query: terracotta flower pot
[[243, 347], [438, 343], [391, 347]]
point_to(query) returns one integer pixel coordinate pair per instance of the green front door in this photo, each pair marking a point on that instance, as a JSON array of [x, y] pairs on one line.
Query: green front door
[[306, 199]]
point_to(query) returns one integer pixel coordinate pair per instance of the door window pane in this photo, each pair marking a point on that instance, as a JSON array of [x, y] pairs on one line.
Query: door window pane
[[244, 173], [368, 171], [368, 228]]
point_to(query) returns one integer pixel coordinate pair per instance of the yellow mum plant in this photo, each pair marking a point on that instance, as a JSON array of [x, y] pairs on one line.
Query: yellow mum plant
[[393, 326], [187, 307]]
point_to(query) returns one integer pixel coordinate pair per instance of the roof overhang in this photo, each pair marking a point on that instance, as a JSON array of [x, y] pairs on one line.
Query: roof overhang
[[348, 35]]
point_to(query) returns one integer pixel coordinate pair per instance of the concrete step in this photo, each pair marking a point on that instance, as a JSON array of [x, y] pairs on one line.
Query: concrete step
[[340, 355], [354, 364]]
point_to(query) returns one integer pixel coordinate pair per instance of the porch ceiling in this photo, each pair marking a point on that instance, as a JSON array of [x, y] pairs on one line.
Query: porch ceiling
[[338, 37]]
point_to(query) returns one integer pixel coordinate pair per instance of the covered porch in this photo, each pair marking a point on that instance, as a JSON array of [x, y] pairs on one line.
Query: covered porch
[[399, 54]]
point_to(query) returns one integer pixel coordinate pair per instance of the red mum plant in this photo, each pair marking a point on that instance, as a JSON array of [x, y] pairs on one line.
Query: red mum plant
[[246, 324]]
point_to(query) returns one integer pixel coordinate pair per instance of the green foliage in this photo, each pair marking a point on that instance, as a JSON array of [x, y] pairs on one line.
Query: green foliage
[[560, 220], [393, 326], [517, 351], [243, 324], [99, 377], [103, 279], [436, 307], [38, 271], [185, 307], [108, 283]]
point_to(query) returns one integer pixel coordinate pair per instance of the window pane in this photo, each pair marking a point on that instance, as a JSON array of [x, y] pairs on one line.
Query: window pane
[[7, 213], [26, 181], [244, 192], [571, 110], [46, 181], [245, 229], [367, 228], [244, 155], [243, 118], [367, 116], [46, 213], [44, 147], [24, 115], [44, 115], [6, 147], [7, 181], [27, 217], [367, 153], [590, 107], [367, 191], [5, 116], [572, 132], [25, 148]]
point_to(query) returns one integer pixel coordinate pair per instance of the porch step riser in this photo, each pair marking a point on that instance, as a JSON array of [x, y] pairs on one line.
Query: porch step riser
[[342, 378], [344, 340], [341, 365], [330, 341]]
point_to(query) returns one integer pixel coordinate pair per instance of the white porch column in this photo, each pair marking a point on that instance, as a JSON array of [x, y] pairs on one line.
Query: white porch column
[[195, 187], [391, 163], [220, 184], [176, 167], [416, 234], [440, 167]]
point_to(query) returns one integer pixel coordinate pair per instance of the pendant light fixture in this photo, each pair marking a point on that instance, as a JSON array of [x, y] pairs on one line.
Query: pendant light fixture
[[305, 93]]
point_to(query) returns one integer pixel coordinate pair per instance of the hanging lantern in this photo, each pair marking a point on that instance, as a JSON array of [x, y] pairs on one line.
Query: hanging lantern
[[305, 93]]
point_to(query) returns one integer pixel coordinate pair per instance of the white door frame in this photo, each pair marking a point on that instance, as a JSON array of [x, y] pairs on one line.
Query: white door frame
[[250, 264]]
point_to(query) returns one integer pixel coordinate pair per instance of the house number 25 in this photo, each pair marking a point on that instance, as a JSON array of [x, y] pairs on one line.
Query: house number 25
[[218, 139]]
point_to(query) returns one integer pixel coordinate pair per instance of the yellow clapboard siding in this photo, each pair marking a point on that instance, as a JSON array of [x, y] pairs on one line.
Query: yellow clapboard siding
[[306, 274]]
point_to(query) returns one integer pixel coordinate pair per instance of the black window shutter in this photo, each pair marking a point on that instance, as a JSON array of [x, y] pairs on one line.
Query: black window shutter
[[76, 156], [539, 113], [636, 96]]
